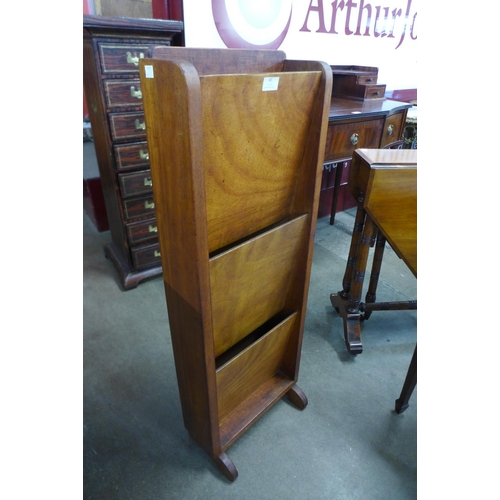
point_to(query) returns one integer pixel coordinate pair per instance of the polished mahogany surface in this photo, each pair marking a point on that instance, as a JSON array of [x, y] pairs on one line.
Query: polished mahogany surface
[[236, 196]]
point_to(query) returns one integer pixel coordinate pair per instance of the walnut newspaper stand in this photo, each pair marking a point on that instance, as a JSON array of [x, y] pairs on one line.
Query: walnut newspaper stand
[[236, 141]]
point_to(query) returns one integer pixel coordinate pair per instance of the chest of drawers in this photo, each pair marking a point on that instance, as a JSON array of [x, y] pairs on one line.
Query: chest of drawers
[[355, 124], [112, 48]]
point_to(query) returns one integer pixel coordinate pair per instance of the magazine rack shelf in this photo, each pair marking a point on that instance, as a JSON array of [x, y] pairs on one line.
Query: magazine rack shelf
[[236, 141]]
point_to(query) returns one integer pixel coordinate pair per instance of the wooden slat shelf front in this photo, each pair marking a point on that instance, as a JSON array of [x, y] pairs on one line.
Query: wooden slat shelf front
[[236, 191]]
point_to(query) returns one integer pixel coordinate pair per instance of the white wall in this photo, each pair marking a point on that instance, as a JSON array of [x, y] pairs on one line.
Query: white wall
[[338, 32]]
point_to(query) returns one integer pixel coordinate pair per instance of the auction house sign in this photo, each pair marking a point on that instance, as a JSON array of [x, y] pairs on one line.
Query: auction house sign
[[381, 33]]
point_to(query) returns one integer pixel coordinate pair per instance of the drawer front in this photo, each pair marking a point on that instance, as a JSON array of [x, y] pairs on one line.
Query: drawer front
[[343, 138], [127, 126], [132, 156], [122, 58], [146, 256], [138, 232], [123, 93], [367, 79], [393, 129], [374, 91], [135, 184], [139, 208]]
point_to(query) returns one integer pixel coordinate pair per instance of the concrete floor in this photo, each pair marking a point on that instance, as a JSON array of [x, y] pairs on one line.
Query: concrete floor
[[347, 444]]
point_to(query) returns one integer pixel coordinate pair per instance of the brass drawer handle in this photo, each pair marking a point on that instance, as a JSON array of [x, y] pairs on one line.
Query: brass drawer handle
[[377, 93], [148, 205], [354, 139], [370, 80], [148, 182], [390, 129], [134, 59], [139, 125], [157, 254], [153, 229], [135, 93], [143, 155]]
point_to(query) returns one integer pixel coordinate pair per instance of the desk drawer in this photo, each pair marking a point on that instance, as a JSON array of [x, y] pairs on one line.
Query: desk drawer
[[122, 58], [127, 126], [342, 139], [139, 207], [138, 232], [135, 184], [393, 129], [374, 92], [367, 79], [132, 156], [123, 93], [146, 256]]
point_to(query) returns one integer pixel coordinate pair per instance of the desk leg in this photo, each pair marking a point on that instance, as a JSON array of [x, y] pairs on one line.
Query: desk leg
[[336, 190], [348, 307], [409, 385]]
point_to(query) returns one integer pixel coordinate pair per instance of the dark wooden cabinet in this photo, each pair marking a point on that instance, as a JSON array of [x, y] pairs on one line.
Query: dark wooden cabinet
[[112, 48], [355, 124]]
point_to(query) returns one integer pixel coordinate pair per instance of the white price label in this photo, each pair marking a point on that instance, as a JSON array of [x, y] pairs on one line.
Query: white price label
[[149, 71], [270, 83]]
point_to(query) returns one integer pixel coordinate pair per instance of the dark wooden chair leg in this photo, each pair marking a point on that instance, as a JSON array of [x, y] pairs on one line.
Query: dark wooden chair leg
[[408, 386]]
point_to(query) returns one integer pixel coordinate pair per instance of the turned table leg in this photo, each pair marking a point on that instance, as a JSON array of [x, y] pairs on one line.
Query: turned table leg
[[371, 294], [348, 300], [357, 231], [408, 386]]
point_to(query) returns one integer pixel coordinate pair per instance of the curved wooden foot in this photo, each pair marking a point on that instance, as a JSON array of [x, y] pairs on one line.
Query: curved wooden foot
[[337, 302], [352, 333], [297, 397], [226, 466], [352, 326]]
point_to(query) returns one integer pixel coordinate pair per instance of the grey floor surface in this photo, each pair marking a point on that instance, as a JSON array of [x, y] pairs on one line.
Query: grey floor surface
[[348, 443]]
